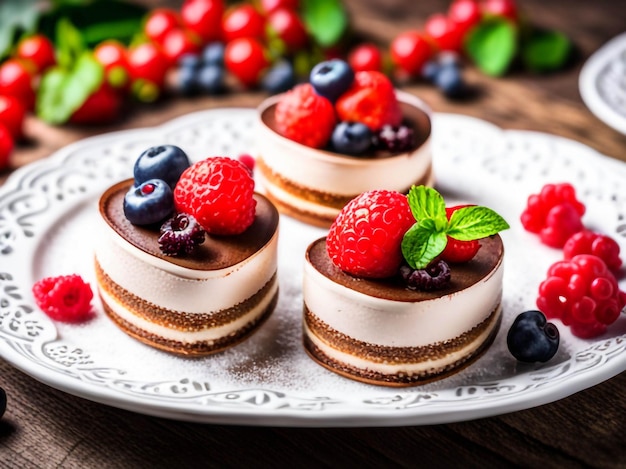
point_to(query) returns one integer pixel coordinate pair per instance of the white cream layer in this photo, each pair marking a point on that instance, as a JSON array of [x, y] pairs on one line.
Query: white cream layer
[[397, 323], [207, 335], [180, 289], [404, 368], [328, 172]]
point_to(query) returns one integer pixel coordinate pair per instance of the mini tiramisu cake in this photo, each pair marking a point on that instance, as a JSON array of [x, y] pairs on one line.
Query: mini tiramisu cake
[[391, 300], [187, 265], [326, 141]]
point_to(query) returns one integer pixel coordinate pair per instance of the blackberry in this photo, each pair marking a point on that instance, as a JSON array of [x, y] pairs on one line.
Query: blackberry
[[396, 139], [434, 277], [180, 235]]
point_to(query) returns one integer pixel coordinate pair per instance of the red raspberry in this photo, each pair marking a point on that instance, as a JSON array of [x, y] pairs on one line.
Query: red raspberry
[[64, 298], [365, 239], [588, 242], [457, 251], [305, 117], [555, 214], [370, 100], [583, 294], [218, 192]]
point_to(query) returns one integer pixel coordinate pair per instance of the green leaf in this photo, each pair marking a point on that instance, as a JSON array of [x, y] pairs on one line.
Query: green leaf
[[326, 20], [475, 222], [422, 243], [70, 44], [426, 202], [546, 51], [63, 91], [492, 45], [16, 17]]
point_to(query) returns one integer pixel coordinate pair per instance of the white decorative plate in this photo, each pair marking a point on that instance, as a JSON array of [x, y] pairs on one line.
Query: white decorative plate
[[47, 212], [602, 83]]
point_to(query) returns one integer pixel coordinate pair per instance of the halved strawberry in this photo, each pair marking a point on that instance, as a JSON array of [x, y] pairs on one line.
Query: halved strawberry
[[457, 251]]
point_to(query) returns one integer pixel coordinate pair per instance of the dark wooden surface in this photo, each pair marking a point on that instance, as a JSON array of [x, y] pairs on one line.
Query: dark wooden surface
[[46, 428]]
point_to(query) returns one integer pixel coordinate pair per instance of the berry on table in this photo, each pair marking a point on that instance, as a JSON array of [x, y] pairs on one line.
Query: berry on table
[[16, 80], [148, 66], [465, 13], [243, 21], [365, 238], [446, 34], [269, 6], [213, 53], [180, 235], [583, 294], [210, 79], [555, 214], [64, 298], [246, 59], [102, 106], [449, 79], [331, 78], [6, 146], [149, 202], [219, 193], [165, 162], [304, 116], [37, 49], [12, 114], [286, 25], [504, 8], [204, 18], [365, 57], [159, 22], [279, 78], [351, 138], [370, 100], [410, 50], [531, 338], [177, 43], [112, 56]]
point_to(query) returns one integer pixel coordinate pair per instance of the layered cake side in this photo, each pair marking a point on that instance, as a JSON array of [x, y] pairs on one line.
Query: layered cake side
[[191, 298], [403, 290]]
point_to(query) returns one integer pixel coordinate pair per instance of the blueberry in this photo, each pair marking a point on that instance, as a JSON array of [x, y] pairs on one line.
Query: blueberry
[[279, 78], [331, 78], [450, 81], [430, 70], [186, 82], [352, 138], [531, 338], [210, 79], [190, 61], [148, 203], [213, 54], [166, 162]]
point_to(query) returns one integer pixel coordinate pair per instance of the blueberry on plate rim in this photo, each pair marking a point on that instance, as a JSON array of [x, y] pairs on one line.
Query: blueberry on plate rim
[[531, 338]]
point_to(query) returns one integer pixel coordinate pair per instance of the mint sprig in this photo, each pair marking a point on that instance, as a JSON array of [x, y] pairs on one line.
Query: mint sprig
[[428, 237]]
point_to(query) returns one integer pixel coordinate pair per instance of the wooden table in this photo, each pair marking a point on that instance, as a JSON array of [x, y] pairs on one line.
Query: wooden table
[[44, 427]]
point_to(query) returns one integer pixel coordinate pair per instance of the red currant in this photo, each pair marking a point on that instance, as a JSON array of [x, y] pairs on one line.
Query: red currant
[[179, 42], [6, 147], [288, 27], [16, 80], [243, 21], [366, 57], [159, 22], [39, 50], [457, 251], [465, 13], [112, 55], [204, 18], [588, 242], [269, 6], [148, 65], [503, 8], [246, 59], [410, 51], [12, 114], [444, 32]]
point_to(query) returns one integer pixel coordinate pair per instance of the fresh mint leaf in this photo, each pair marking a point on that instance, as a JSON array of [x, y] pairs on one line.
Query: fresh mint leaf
[[422, 243], [475, 222], [326, 20], [546, 51], [492, 45], [427, 203], [62, 91]]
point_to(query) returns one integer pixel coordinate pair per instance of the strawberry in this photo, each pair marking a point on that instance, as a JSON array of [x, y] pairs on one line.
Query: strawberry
[[365, 238], [305, 117], [370, 100], [457, 251], [64, 298], [218, 192]]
